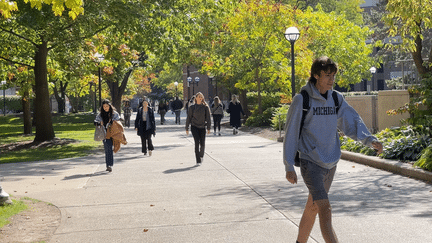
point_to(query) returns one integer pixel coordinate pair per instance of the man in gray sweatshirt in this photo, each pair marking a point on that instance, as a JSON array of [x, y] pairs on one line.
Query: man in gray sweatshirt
[[318, 144]]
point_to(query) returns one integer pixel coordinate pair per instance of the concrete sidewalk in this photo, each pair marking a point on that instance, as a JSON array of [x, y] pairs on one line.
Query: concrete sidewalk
[[238, 194]]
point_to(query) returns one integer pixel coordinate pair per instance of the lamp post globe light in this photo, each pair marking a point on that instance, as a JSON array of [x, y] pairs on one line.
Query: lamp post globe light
[[373, 71], [175, 84], [197, 79], [3, 83], [189, 80], [292, 34]]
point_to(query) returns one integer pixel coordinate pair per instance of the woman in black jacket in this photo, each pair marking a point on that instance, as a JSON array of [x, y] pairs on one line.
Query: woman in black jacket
[[145, 126]]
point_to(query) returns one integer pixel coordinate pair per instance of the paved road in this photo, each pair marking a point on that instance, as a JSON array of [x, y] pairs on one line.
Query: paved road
[[238, 194]]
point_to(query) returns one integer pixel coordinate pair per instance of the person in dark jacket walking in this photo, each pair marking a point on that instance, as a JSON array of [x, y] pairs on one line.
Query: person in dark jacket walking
[[163, 109], [177, 106], [217, 111], [199, 119], [235, 109], [105, 118], [145, 126], [318, 146]]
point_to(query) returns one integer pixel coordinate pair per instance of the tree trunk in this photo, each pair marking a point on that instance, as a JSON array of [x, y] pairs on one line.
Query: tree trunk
[[25, 101], [417, 56], [44, 126], [243, 101], [257, 78], [117, 91]]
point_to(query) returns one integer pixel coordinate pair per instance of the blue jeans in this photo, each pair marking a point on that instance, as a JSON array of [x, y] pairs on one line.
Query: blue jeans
[[109, 155]]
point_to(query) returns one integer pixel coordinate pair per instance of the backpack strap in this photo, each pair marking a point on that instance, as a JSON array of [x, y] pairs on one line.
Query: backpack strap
[[336, 101], [306, 108]]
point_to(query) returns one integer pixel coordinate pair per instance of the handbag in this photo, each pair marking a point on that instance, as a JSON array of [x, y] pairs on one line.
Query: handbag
[[100, 133]]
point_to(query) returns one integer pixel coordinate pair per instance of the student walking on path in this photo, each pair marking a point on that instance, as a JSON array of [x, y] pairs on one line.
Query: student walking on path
[[199, 119], [127, 113], [235, 109], [316, 139], [163, 109], [105, 118], [217, 111], [177, 106], [145, 126]]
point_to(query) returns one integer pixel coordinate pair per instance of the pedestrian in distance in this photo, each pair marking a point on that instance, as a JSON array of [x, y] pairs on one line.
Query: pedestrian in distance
[[145, 126], [189, 103], [177, 106], [199, 119], [163, 109], [105, 118], [235, 110], [127, 113], [312, 143], [217, 110]]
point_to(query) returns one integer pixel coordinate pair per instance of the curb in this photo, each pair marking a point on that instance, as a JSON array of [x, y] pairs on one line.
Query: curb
[[396, 167]]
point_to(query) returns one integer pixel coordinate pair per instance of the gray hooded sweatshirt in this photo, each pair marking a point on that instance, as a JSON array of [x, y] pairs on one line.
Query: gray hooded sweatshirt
[[319, 140]]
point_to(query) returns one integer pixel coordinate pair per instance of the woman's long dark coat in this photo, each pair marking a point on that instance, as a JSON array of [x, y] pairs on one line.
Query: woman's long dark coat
[[139, 123]]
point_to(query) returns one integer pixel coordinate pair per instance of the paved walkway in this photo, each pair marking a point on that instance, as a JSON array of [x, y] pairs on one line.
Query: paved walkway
[[238, 194]]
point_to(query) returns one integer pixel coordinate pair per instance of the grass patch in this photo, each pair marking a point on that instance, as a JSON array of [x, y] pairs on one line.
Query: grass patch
[[78, 127], [8, 211]]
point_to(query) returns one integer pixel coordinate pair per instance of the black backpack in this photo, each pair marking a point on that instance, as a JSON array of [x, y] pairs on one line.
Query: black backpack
[[306, 108]]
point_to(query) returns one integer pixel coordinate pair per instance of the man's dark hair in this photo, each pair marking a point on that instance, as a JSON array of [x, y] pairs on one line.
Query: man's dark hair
[[322, 64]]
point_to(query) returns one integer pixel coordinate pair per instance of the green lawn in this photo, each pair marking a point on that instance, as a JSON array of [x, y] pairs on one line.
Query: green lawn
[[8, 211], [78, 127]]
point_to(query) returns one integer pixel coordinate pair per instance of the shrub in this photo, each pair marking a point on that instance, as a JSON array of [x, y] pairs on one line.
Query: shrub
[[268, 102], [13, 103], [404, 143], [425, 160], [279, 117], [260, 120]]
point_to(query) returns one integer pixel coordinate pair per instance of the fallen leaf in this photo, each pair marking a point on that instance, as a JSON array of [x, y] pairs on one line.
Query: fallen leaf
[[151, 205], [145, 230], [353, 166]]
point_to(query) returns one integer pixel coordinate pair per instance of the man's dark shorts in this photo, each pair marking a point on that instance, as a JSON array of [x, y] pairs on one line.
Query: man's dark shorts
[[318, 180]]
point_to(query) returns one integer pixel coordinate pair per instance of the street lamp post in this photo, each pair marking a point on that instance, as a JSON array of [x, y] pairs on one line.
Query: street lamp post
[[100, 58], [197, 79], [175, 84], [189, 80], [3, 83], [292, 34], [94, 94], [373, 71], [211, 82]]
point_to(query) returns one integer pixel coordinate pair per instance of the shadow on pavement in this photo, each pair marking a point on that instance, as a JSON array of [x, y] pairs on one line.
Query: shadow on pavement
[[170, 171]]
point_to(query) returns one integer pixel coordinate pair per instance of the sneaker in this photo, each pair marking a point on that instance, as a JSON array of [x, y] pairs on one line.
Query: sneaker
[[109, 168], [219, 134], [150, 153], [202, 159], [234, 131], [214, 133]]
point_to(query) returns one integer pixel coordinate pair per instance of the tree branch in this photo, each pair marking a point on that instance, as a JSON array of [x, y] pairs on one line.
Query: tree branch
[[17, 35], [15, 62]]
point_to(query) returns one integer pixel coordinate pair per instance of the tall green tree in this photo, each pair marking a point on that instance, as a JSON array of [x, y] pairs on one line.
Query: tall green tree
[[412, 21], [251, 46]]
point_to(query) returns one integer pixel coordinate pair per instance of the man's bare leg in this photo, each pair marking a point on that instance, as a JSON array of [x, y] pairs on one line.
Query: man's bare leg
[[325, 218], [307, 221]]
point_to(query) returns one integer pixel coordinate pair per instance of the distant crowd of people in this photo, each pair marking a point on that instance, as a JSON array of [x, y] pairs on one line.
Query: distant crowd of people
[[199, 116]]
